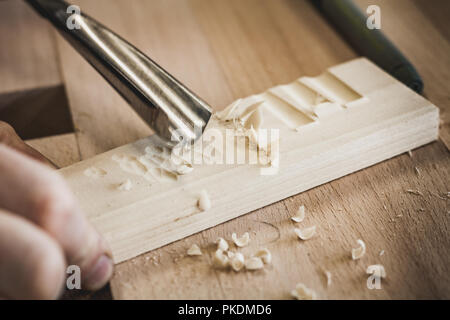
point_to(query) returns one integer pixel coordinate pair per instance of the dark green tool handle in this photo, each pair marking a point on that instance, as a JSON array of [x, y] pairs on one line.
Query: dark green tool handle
[[351, 23]]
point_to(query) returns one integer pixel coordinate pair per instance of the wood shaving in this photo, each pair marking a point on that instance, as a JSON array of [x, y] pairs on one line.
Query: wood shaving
[[300, 216], [242, 241], [254, 263], [204, 203], [125, 186], [358, 253], [381, 253], [301, 292], [410, 153], [220, 260], [254, 120], [194, 250], [237, 261], [328, 277], [184, 168], [305, 234], [265, 255], [222, 244], [94, 172], [227, 114], [377, 270], [252, 135], [416, 192], [416, 169]]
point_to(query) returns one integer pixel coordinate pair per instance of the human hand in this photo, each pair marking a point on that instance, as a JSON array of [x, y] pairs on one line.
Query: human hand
[[42, 229]]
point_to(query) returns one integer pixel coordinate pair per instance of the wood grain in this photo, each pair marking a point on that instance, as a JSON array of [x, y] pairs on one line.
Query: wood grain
[[228, 49]]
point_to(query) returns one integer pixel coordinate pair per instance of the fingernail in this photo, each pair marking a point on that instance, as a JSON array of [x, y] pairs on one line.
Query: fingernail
[[100, 273]]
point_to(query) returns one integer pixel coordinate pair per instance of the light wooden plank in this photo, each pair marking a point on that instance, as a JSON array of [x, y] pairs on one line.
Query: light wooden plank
[[388, 120]]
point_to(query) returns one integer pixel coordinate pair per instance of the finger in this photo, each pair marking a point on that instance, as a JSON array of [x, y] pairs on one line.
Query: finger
[[9, 137], [32, 264], [41, 195]]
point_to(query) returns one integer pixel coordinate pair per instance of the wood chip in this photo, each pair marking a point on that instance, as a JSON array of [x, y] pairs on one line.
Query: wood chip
[[358, 253], [204, 203], [237, 261], [381, 253], [184, 168], [125, 186], [300, 215], [265, 255], [194, 250], [301, 292], [94, 172], [220, 260], [416, 192], [242, 241], [305, 234], [222, 244], [254, 263]]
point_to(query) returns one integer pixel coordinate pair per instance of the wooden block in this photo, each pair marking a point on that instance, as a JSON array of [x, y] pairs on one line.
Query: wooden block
[[350, 117]]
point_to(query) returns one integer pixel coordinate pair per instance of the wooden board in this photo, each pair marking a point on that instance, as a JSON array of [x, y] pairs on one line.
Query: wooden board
[[350, 117], [230, 49]]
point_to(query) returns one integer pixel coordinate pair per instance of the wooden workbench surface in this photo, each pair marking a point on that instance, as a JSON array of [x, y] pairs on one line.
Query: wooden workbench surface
[[225, 50]]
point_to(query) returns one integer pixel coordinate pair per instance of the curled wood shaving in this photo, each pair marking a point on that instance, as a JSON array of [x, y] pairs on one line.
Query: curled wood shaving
[[305, 234], [204, 203], [358, 253], [194, 250], [265, 255], [220, 260], [222, 244], [300, 216], [125, 186], [377, 270], [227, 114], [242, 241], [237, 261], [254, 263], [301, 292]]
